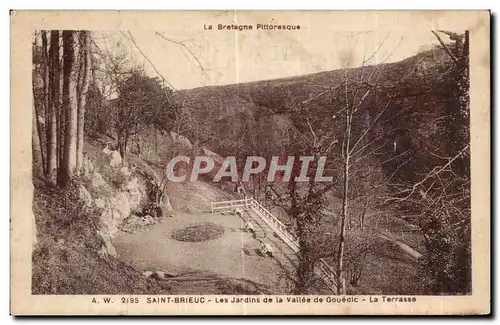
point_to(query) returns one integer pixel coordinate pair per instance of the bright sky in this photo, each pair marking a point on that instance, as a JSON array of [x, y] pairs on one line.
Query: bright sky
[[242, 56]]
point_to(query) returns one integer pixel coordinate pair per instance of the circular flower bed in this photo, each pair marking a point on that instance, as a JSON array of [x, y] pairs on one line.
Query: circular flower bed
[[198, 232]]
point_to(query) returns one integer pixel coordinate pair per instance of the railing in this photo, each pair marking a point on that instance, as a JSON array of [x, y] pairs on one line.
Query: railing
[[225, 206], [328, 275], [277, 226], [323, 269]]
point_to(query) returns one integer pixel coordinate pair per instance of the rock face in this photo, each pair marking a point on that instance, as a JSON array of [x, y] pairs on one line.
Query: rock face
[[136, 193], [88, 165], [107, 248], [114, 209], [116, 159], [125, 171], [168, 210], [123, 208], [97, 181], [85, 196], [181, 139], [135, 223]]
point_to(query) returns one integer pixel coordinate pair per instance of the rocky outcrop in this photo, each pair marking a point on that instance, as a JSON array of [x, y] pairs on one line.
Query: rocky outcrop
[[168, 209], [85, 195], [116, 158], [135, 223], [88, 165], [126, 206], [136, 194], [107, 249], [159, 202], [177, 138]]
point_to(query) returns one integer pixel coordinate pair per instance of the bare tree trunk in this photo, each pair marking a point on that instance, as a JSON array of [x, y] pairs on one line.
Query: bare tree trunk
[[363, 214], [39, 131], [125, 146], [61, 118], [37, 154], [70, 108], [84, 80], [60, 128], [345, 207], [45, 96], [156, 142], [305, 268], [122, 139], [53, 107], [340, 257]]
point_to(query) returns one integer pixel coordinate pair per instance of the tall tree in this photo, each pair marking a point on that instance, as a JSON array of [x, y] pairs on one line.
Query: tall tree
[[38, 131], [45, 92], [53, 106], [139, 102], [70, 107], [36, 149], [83, 86]]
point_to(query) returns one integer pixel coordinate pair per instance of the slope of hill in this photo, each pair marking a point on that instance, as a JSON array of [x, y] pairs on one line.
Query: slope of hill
[[414, 113], [423, 70], [239, 118]]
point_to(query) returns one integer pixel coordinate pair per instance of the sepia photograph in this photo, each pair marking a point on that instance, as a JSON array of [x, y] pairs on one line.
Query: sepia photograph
[[247, 158]]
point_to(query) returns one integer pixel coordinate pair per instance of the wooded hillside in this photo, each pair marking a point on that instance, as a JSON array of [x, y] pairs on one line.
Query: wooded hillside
[[396, 136]]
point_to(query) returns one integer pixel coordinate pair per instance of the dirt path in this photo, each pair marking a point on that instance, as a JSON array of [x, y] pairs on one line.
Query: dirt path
[[236, 254]]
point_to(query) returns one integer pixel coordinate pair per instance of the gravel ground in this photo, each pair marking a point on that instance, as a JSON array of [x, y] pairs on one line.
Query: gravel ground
[[235, 254]]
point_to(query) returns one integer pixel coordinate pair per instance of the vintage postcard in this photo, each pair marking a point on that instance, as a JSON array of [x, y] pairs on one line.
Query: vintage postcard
[[250, 162]]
